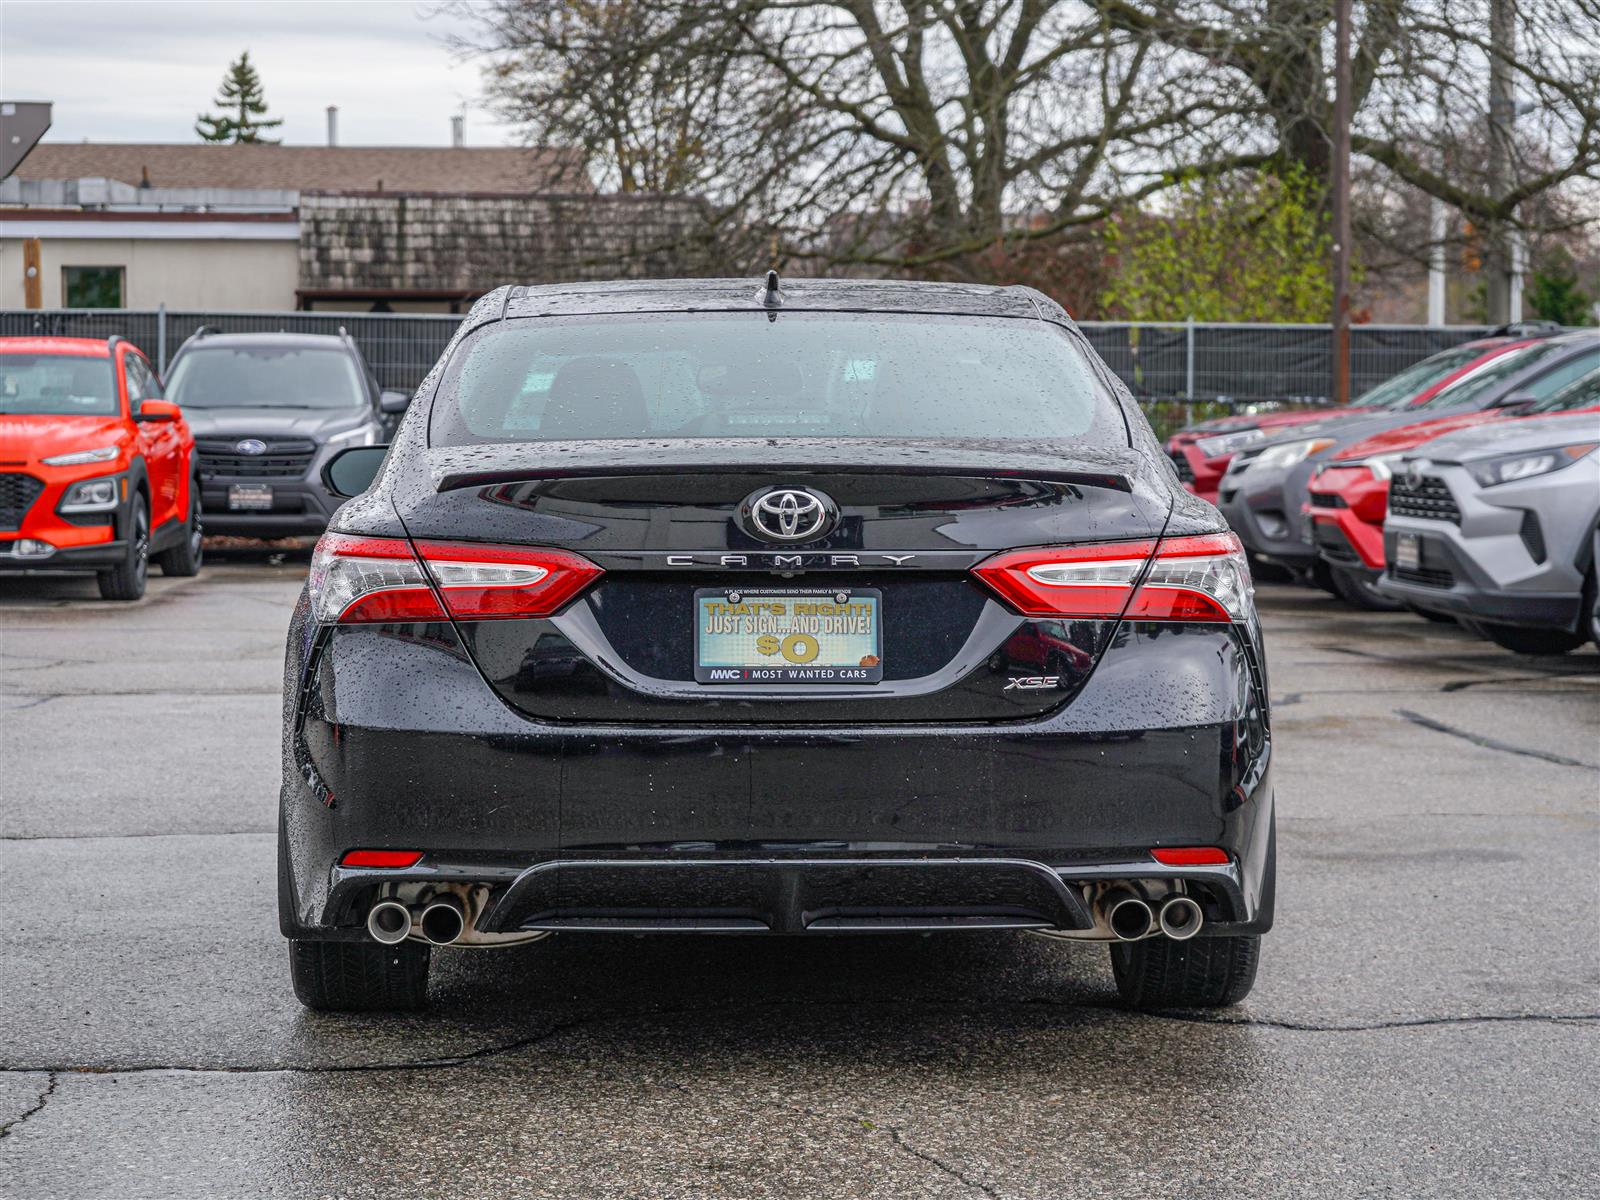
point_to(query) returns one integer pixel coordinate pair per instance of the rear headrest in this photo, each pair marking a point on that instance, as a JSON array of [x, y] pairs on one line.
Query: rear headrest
[[595, 397]]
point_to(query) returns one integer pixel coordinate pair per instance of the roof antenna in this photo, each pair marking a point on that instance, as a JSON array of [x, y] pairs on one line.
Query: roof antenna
[[771, 298]]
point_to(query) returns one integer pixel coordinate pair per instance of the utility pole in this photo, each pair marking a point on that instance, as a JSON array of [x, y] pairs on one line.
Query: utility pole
[[1497, 252], [1341, 202]]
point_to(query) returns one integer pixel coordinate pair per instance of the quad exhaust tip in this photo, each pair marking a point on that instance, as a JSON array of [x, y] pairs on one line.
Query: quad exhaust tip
[[443, 922], [1181, 918], [389, 922]]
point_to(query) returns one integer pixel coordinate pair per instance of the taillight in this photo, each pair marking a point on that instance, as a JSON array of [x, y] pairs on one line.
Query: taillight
[[361, 579], [1201, 578]]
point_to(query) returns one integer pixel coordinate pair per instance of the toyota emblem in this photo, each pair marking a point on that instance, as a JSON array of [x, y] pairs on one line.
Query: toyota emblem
[[789, 514], [250, 446], [1413, 473]]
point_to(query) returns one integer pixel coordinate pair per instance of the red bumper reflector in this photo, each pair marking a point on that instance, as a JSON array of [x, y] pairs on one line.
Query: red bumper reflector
[[381, 858], [1190, 856]]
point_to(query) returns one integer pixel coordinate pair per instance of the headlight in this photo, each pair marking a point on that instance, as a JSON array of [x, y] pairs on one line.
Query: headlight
[[1227, 443], [1291, 453], [79, 457], [362, 435], [1511, 467], [89, 495]]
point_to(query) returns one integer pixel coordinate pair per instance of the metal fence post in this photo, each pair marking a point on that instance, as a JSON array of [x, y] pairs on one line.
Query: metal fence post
[[1188, 368], [161, 339]]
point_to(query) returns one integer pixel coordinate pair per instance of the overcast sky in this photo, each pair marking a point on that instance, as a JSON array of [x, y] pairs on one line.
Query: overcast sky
[[140, 70]]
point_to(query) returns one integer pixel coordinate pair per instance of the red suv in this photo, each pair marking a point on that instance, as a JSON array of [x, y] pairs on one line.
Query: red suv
[[95, 467]]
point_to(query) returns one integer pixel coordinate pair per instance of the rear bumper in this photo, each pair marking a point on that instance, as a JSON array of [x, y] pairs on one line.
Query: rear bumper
[[747, 828], [817, 894]]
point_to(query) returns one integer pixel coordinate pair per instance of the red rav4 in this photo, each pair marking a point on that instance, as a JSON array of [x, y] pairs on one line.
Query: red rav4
[[95, 467]]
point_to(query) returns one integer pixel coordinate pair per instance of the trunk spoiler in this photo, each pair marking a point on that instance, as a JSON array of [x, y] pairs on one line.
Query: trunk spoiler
[[455, 468]]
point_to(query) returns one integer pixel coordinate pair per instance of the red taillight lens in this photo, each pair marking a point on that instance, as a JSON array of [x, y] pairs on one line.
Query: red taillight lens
[[480, 583], [357, 580], [1202, 578], [381, 858], [1190, 856]]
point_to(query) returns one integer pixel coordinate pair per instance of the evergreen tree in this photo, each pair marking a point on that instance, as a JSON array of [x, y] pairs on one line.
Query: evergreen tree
[[243, 108], [1555, 294]]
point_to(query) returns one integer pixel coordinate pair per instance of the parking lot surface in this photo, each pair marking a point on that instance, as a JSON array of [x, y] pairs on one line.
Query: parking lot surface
[[1426, 1021]]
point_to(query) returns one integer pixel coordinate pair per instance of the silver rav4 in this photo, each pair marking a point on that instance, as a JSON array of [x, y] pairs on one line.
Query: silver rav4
[[1496, 525]]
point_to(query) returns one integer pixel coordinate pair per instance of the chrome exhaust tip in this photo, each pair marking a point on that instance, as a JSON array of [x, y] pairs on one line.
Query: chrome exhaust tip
[[1127, 916], [389, 922], [443, 921], [1181, 918]]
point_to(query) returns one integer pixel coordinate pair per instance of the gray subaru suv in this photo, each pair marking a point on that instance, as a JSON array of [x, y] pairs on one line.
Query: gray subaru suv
[[268, 410]]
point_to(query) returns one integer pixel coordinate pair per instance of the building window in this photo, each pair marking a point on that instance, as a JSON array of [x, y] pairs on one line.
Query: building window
[[92, 287]]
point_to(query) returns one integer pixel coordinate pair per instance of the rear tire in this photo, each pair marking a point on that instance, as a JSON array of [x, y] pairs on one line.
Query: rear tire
[[1358, 591], [184, 559], [1521, 640], [126, 580], [359, 976], [1205, 972]]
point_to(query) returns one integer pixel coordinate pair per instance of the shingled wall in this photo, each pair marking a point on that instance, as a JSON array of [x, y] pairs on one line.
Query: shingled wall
[[400, 242]]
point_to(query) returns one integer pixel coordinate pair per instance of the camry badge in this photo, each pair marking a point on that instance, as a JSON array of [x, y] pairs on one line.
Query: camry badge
[[250, 446], [789, 514]]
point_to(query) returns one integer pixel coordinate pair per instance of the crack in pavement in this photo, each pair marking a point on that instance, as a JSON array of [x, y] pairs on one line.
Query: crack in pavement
[[1462, 684], [90, 837], [53, 1077], [899, 1140], [1110, 1008], [1489, 743]]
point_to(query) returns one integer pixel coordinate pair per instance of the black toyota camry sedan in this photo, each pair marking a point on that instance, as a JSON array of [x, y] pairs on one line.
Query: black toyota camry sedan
[[760, 607]]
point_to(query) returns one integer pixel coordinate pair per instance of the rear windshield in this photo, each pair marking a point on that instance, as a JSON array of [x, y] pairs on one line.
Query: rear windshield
[[57, 385], [699, 375], [265, 377]]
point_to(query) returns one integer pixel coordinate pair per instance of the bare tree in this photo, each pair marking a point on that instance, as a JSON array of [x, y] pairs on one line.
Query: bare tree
[[941, 135], [913, 135]]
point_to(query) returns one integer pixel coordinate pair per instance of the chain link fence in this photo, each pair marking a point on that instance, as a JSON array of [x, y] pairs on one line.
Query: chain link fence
[[1179, 372]]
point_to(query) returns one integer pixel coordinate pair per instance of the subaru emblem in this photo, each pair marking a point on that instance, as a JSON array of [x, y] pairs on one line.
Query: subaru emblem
[[250, 446]]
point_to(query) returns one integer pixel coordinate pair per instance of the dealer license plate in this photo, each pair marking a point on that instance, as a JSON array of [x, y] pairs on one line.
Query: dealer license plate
[[788, 635], [249, 497], [1408, 552]]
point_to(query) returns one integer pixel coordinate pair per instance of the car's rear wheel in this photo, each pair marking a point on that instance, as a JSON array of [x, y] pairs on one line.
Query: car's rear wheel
[[1204, 972], [359, 976], [184, 559], [1356, 590], [126, 580], [1521, 640]]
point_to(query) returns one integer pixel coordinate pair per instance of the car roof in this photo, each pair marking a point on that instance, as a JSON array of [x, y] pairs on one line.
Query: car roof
[[302, 341], [797, 294], [83, 347]]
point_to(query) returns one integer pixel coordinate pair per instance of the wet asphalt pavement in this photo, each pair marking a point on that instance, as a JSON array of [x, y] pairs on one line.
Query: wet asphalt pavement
[[1426, 1021]]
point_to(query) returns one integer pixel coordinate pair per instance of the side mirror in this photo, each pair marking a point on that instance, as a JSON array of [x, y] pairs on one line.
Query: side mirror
[[393, 402], [351, 471], [157, 410]]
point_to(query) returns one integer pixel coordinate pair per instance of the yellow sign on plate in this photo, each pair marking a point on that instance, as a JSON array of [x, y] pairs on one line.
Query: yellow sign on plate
[[788, 635]]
